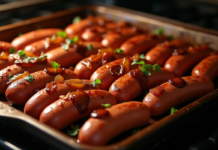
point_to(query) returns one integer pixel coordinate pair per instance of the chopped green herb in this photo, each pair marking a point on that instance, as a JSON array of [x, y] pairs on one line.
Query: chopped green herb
[[28, 59], [75, 39], [119, 51], [29, 78], [159, 31], [62, 34], [74, 131], [135, 131], [96, 82], [142, 56], [69, 41], [173, 110], [12, 50], [147, 68], [10, 76], [106, 105], [170, 37], [76, 19], [55, 65], [53, 37], [41, 57], [90, 47], [65, 46], [19, 34], [22, 53]]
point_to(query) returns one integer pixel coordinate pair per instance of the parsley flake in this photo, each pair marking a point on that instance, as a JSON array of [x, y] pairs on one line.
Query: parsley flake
[[22, 53], [119, 51], [42, 57], [74, 131], [173, 110], [142, 56], [29, 78], [10, 76], [170, 37], [96, 82], [76, 19], [135, 131], [106, 105], [55, 65], [62, 34], [147, 68], [90, 47], [159, 31], [12, 50]]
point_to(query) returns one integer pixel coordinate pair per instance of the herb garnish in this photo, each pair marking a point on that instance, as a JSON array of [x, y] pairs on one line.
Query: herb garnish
[[10, 76], [55, 65], [173, 110], [41, 57], [135, 131], [12, 50], [106, 105], [29, 78], [142, 56], [96, 82], [69, 41], [74, 131], [159, 31], [147, 68], [90, 47], [119, 51], [76, 19], [62, 34]]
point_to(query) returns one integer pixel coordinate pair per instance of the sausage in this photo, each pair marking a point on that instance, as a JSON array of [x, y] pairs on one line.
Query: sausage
[[4, 48], [93, 33], [171, 96], [120, 118], [33, 36], [160, 53], [21, 90], [15, 69], [115, 38], [128, 87], [39, 101], [207, 67], [104, 74], [73, 55], [86, 67], [179, 64], [141, 43], [40, 47], [65, 111], [79, 27]]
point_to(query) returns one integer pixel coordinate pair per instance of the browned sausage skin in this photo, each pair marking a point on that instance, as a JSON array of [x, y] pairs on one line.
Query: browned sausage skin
[[73, 54], [21, 90], [183, 60], [207, 67], [33, 36], [86, 67], [170, 95], [120, 118], [115, 38], [141, 43], [39, 101], [15, 69], [75, 106], [110, 72], [131, 85], [160, 53]]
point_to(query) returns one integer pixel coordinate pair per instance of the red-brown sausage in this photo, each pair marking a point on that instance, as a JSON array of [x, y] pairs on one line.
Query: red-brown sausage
[[79, 27], [33, 36], [160, 53], [93, 33], [115, 38], [15, 69], [21, 90], [207, 67], [39, 101], [131, 85], [121, 117], [73, 55], [179, 64], [171, 96], [141, 43], [104, 73], [65, 111]]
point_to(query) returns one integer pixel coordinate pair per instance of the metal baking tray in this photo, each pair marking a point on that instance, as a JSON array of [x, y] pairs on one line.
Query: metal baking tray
[[149, 135]]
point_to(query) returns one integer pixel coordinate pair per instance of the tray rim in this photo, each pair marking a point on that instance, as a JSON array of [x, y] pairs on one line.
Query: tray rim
[[95, 8]]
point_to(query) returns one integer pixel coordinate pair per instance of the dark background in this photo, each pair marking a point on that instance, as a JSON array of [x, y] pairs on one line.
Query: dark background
[[202, 13]]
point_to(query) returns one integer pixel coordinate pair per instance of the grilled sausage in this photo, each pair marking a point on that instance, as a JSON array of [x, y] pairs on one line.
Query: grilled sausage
[[77, 106], [117, 119], [170, 95]]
